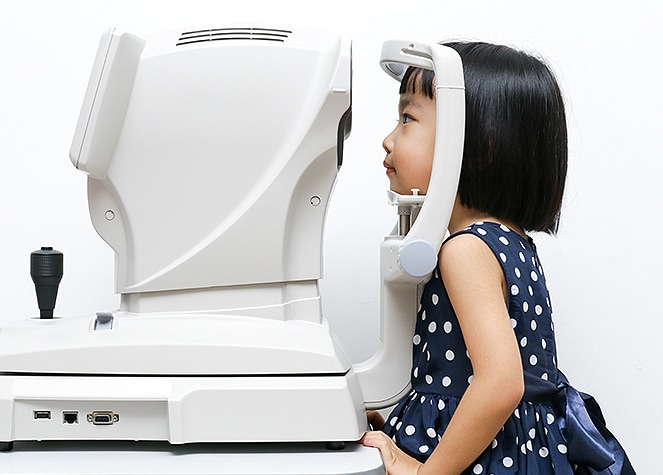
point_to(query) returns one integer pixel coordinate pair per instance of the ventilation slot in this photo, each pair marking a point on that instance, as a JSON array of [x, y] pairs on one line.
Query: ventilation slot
[[226, 34]]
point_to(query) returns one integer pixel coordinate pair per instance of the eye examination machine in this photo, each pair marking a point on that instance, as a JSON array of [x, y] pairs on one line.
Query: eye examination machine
[[210, 157]]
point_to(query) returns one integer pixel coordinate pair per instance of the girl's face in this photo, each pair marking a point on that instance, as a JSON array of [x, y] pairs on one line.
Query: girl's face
[[410, 145]]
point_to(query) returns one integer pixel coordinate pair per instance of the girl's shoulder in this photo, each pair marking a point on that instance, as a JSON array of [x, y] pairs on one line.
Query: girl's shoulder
[[469, 257], [495, 235], [483, 245]]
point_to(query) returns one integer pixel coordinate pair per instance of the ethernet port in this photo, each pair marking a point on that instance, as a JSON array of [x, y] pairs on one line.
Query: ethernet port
[[70, 417]]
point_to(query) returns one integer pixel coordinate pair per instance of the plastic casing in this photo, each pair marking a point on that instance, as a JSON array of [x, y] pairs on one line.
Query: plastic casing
[[211, 157]]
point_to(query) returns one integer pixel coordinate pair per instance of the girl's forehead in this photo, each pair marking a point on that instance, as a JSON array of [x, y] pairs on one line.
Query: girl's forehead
[[414, 99]]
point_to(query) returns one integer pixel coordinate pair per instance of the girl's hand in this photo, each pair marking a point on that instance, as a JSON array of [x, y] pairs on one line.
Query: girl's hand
[[395, 460]]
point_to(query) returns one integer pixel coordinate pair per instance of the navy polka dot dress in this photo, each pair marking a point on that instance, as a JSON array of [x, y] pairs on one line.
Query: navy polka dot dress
[[531, 441]]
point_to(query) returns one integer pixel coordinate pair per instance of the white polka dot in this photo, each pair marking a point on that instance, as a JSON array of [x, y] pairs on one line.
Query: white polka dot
[[533, 325], [533, 360], [482, 231], [504, 228], [516, 413], [446, 381], [525, 306], [507, 462], [534, 276], [470, 379], [410, 430], [478, 468], [422, 400], [544, 376], [515, 290], [416, 340], [429, 379], [393, 421], [432, 327], [530, 290], [550, 419], [493, 444], [504, 240], [514, 323], [562, 448], [447, 327], [423, 449], [415, 372], [398, 426], [435, 299], [529, 445], [428, 356], [523, 341], [440, 405], [538, 309], [543, 452], [523, 449], [423, 315], [517, 272], [543, 343], [522, 256], [503, 256], [532, 433], [431, 433], [449, 355]]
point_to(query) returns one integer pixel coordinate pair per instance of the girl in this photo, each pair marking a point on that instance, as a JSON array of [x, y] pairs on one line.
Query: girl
[[487, 396]]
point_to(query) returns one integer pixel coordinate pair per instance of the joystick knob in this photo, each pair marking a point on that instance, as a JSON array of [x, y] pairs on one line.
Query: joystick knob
[[46, 269]]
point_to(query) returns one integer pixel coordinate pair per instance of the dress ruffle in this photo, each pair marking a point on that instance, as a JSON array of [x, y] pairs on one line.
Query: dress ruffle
[[529, 442]]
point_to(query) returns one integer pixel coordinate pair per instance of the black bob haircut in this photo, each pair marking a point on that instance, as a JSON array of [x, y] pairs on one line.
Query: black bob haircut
[[515, 154]]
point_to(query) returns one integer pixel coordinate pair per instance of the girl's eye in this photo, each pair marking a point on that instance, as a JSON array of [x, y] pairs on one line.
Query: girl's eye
[[406, 118]]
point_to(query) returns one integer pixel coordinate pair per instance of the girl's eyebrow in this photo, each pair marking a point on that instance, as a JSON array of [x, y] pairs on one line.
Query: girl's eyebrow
[[407, 100]]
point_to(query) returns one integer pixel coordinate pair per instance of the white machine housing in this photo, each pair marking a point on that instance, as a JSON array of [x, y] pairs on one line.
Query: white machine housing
[[211, 156]]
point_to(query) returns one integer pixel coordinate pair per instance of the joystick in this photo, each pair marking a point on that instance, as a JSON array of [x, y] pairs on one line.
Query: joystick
[[46, 269]]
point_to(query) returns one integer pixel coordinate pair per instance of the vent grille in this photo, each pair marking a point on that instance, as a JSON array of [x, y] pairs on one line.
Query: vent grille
[[226, 34]]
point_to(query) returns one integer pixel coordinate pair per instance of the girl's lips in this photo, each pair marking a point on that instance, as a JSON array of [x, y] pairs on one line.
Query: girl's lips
[[389, 168]]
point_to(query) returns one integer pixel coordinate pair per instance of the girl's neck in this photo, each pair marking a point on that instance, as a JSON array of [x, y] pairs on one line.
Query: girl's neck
[[462, 217]]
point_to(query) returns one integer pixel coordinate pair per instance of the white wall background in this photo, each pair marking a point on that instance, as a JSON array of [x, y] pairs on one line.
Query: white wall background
[[604, 268]]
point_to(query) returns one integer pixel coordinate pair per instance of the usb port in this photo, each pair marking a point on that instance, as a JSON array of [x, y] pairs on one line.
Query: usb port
[[42, 414], [103, 418]]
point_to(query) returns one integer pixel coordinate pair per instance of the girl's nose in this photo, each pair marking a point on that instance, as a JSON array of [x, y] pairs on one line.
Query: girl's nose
[[388, 143]]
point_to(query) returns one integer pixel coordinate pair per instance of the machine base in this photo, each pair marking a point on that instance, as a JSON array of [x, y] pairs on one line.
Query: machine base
[[181, 410]]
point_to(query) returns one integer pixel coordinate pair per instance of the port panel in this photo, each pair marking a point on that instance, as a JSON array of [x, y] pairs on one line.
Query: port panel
[[69, 420]]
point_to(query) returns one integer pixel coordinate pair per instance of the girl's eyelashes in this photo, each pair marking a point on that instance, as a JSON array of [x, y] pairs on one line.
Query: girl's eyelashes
[[405, 118]]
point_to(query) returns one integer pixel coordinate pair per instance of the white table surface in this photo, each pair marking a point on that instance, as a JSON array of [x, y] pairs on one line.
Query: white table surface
[[95, 458]]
